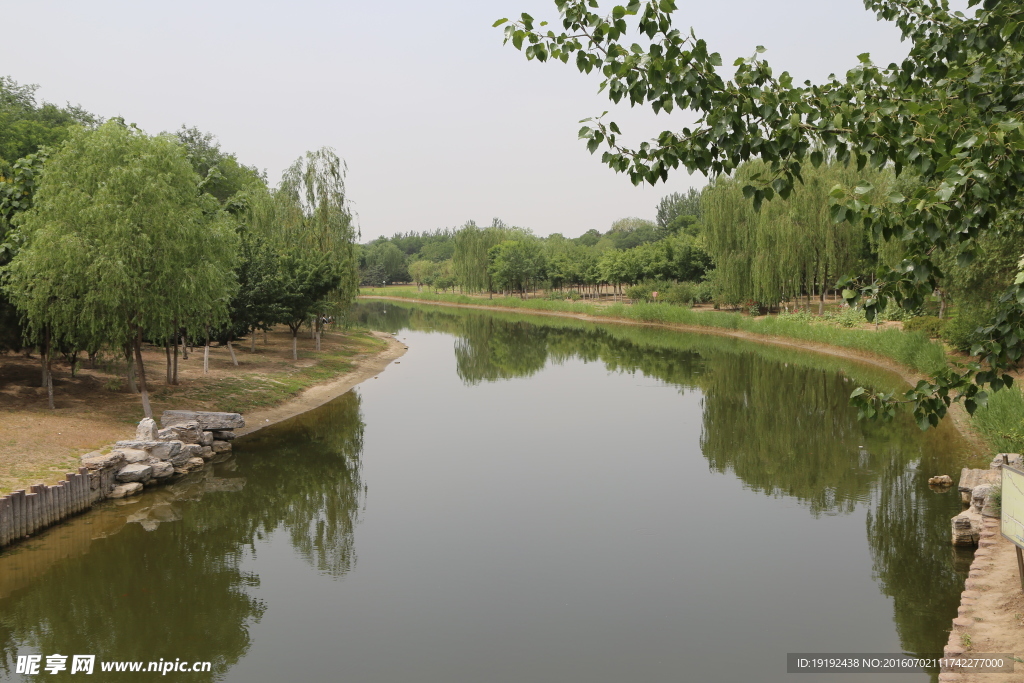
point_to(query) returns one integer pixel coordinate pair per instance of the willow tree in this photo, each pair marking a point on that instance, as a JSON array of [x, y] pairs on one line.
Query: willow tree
[[790, 247], [313, 213], [471, 256], [120, 244]]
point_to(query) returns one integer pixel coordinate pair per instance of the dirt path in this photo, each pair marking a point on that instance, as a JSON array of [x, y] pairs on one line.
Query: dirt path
[[320, 394]]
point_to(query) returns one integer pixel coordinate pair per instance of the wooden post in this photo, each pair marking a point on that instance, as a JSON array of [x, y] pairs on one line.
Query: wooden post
[[6, 521], [17, 502], [59, 490], [31, 510], [1020, 566]]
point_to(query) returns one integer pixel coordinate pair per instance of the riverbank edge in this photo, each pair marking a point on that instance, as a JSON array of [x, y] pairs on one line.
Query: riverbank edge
[[986, 561], [909, 375], [43, 507], [319, 394]]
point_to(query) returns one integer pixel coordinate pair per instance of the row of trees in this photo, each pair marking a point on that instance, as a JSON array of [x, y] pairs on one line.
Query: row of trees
[[114, 237]]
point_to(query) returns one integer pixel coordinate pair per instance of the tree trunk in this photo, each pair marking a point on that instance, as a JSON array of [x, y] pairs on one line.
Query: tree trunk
[[295, 344], [252, 341], [174, 375], [264, 337], [142, 373], [821, 301], [206, 353], [170, 370], [47, 375], [231, 350], [130, 361], [184, 346], [318, 330], [942, 303]]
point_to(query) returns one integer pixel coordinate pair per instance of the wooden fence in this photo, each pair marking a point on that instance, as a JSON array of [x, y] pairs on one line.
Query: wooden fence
[[24, 512]]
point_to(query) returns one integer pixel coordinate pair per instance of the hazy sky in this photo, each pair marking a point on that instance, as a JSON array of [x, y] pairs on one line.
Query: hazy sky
[[439, 123]]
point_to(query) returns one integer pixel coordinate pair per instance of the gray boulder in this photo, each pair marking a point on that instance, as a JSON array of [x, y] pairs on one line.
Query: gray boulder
[[188, 451], [223, 434], [221, 447], [137, 472], [187, 432], [146, 431], [133, 455], [207, 421], [125, 490], [100, 461], [162, 469], [206, 439]]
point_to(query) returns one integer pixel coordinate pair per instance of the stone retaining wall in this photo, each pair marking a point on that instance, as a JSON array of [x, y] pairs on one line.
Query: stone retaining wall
[[188, 441]]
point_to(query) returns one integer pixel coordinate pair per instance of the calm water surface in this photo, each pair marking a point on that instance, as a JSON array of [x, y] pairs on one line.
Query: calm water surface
[[523, 499]]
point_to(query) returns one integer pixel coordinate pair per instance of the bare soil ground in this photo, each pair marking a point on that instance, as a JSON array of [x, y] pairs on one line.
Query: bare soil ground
[[94, 408]]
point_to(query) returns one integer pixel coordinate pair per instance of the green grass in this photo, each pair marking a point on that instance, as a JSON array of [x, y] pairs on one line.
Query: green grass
[[1001, 422]]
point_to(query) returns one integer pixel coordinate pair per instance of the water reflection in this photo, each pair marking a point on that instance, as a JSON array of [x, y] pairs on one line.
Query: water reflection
[[780, 421], [161, 576]]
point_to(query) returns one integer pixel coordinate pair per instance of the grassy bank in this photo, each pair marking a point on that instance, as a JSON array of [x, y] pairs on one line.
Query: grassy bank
[[1000, 423], [911, 349]]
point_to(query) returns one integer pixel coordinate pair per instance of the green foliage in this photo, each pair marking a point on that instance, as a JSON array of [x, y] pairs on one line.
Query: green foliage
[[787, 248], [306, 278], [389, 260], [678, 211], [946, 113], [515, 263], [119, 240], [26, 127], [964, 328], [931, 325]]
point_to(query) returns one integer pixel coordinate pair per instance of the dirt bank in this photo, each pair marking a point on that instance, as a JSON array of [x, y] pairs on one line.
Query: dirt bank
[[320, 394], [93, 408]]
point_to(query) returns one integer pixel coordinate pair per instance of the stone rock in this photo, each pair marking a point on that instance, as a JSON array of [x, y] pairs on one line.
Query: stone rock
[[161, 450], [188, 451], [162, 469], [941, 480], [978, 496], [970, 478], [221, 447], [136, 472], [223, 434], [125, 490], [207, 453], [187, 432], [146, 431], [206, 439], [967, 528], [1012, 459], [133, 455], [207, 421], [191, 465], [99, 461]]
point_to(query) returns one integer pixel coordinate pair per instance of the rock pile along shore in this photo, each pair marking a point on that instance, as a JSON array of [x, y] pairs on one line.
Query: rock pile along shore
[[184, 443]]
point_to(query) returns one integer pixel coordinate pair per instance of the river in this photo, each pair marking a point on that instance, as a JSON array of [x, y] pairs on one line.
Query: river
[[523, 499]]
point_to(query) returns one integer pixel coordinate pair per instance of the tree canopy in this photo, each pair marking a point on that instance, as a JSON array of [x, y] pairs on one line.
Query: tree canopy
[[119, 244], [951, 112]]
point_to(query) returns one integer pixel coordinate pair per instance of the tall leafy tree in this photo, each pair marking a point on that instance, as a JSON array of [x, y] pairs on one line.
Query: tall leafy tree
[[950, 111], [120, 244]]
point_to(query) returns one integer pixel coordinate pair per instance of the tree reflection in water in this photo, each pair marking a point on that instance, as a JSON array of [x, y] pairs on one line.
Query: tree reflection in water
[[194, 600], [779, 420]]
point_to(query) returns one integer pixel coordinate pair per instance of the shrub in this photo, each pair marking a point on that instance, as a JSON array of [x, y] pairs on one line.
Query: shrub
[[929, 324], [961, 332]]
